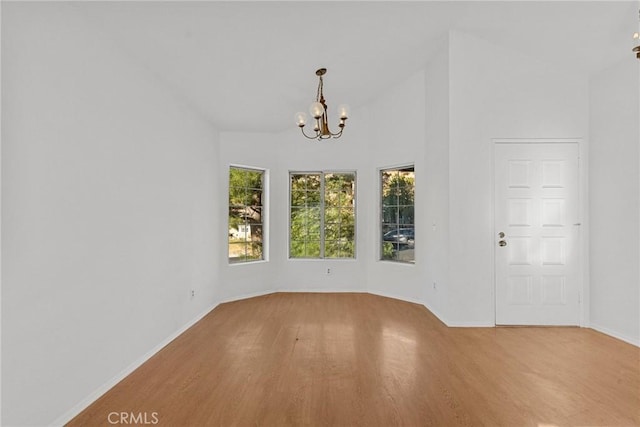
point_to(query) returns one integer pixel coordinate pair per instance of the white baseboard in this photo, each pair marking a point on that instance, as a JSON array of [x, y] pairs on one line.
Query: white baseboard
[[615, 334], [437, 314], [83, 404], [388, 295], [471, 325], [323, 291], [246, 296]]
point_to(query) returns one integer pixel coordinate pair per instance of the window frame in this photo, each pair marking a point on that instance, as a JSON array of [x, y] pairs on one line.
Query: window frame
[[264, 216], [322, 174], [381, 170]]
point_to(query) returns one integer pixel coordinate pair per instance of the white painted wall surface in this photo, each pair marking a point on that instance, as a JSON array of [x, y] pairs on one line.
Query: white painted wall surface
[[108, 201], [436, 188], [495, 93], [614, 200]]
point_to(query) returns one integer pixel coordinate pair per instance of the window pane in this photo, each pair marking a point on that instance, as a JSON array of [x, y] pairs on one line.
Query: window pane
[[348, 249], [332, 214], [313, 198], [237, 252], [331, 249], [389, 214], [332, 231], [298, 182], [397, 200], [314, 231], [348, 231], [405, 214], [254, 251], [313, 249], [245, 215], [297, 249], [313, 182], [253, 179], [298, 198]]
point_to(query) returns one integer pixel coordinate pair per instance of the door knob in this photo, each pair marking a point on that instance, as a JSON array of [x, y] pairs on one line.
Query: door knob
[[502, 243]]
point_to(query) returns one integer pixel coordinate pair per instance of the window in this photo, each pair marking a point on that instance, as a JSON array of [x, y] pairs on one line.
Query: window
[[246, 214], [397, 234], [322, 215]]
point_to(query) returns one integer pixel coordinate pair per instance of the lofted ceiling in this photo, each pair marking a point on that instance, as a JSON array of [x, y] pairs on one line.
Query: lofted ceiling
[[249, 66]]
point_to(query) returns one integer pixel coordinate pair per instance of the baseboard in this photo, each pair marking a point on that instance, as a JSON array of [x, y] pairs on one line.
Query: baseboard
[[247, 296], [614, 334], [323, 290], [388, 295], [436, 313], [471, 325], [84, 404]]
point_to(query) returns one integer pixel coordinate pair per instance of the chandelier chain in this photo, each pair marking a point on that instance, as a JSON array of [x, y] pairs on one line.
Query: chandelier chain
[[320, 87]]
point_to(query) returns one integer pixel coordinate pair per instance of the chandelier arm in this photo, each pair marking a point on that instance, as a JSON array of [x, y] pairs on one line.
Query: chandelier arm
[[337, 135], [306, 136]]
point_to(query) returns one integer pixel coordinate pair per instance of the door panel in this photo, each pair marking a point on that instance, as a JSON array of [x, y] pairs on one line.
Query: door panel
[[536, 207]]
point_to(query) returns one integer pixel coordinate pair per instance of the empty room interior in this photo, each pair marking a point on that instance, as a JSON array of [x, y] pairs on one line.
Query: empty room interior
[[320, 213]]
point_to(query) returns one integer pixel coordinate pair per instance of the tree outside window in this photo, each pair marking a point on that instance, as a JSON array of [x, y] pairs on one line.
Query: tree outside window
[[246, 230], [322, 215], [397, 214]]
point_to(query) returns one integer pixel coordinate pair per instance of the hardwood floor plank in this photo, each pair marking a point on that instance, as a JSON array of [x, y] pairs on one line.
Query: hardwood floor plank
[[364, 360]]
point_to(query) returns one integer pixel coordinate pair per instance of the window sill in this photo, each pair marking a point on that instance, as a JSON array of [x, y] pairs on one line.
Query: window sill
[[261, 261], [406, 263]]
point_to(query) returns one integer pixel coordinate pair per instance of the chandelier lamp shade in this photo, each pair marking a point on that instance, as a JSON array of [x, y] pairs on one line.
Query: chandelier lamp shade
[[318, 110]]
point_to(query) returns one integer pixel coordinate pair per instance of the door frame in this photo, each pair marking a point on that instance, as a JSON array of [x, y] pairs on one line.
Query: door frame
[[583, 229]]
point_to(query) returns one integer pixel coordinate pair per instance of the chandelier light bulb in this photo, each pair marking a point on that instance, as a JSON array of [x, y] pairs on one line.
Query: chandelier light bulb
[[316, 110], [301, 119], [343, 111]]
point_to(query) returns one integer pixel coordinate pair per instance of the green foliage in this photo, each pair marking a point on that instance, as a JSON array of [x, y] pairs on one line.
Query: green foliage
[[337, 205], [398, 199], [245, 208], [398, 188], [387, 250]]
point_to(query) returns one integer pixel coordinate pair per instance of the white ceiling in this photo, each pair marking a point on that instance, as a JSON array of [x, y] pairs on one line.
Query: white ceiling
[[251, 65]]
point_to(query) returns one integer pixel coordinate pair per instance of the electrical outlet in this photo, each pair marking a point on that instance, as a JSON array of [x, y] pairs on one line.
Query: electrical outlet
[[193, 293], [435, 287], [328, 271]]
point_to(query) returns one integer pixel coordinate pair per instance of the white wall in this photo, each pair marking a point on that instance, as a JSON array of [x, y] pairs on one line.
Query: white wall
[[436, 186], [614, 200], [108, 201], [495, 93]]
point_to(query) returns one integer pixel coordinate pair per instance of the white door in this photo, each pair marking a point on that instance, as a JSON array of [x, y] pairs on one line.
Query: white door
[[536, 227]]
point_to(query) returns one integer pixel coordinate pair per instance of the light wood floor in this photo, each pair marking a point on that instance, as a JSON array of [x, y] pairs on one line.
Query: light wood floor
[[360, 359]]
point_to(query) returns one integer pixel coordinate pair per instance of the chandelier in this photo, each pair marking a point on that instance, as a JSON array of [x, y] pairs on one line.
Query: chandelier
[[318, 110]]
